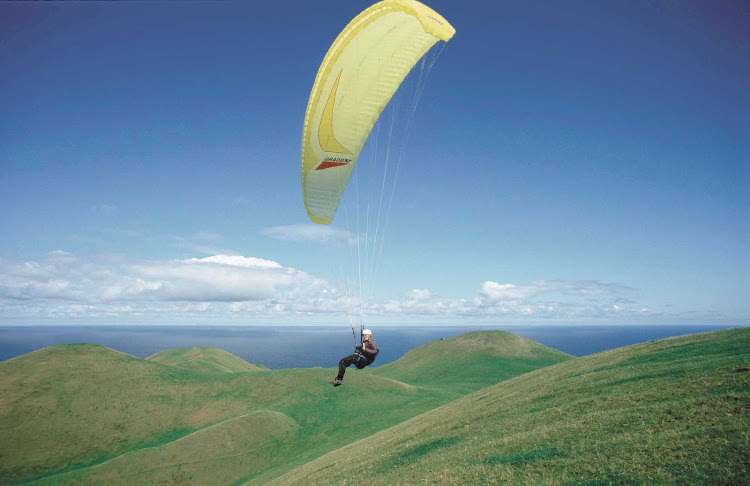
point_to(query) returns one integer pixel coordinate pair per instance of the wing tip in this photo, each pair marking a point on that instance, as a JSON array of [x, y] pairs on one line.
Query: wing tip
[[318, 219]]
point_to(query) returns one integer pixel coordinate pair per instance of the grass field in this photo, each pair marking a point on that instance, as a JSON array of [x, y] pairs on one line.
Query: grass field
[[468, 361], [204, 358], [479, 408], [675, 411], [88, 414]]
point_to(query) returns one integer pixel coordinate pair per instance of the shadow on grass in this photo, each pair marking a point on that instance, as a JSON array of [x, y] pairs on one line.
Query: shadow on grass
[[415, 453], [523, 457]]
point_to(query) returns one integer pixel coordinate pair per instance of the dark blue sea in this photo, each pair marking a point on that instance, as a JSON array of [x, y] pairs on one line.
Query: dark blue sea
[[305, 346]]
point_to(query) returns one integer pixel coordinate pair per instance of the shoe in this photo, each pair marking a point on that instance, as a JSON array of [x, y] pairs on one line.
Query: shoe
[[337, 382]]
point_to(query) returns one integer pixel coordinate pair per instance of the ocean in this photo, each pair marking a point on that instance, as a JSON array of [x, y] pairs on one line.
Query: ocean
[[305, 346]]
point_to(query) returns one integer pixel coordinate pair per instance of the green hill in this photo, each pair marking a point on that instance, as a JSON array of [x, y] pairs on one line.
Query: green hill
[[86, 413], [204, 358], [464, 363], [675, 411], [207, 456]]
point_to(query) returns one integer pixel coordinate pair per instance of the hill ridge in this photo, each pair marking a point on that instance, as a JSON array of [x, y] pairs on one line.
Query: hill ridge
[[114, 403], [469, 358], [480, 438], [204, 358], [233, 423], [168, 416]]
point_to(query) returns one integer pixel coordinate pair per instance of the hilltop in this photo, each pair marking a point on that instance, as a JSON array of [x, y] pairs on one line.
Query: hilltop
[[86, 413], [463, 363], [204, 358], [675, 411], [667, 412]]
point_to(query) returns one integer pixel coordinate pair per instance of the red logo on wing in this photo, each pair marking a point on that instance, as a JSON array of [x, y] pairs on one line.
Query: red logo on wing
[[332, 162]]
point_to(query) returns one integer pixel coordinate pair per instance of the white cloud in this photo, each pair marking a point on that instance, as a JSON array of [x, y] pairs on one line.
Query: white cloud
[[417, 295], [250, 289], [494, 291], [236, 261], [544, 299], [566, 289], [223, 278]]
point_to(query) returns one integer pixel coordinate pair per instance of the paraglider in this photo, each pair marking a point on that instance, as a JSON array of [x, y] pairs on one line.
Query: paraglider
[[357, 78], [363, 356]]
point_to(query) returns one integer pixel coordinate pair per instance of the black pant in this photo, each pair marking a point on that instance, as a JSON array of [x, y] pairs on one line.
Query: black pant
[[353, 359]]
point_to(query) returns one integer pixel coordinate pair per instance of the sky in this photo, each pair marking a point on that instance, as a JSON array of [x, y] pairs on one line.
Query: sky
[[568, 162]]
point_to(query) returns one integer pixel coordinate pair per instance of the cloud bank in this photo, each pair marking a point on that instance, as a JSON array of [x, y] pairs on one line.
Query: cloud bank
[[236, 288]]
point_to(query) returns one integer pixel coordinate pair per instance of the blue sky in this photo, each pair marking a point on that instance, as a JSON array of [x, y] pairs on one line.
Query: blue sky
[[569, 162]]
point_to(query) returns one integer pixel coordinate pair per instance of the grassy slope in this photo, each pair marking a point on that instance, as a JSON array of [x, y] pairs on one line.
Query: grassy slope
[[210, 455], [463, 363], [675, 411], [85, 413], [204, 358]]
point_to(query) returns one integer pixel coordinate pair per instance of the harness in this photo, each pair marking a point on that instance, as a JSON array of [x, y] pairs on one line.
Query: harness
[[369, 361]]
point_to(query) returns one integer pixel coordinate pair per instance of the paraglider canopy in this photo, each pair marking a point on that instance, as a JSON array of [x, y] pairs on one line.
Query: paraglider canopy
[[358, 76]]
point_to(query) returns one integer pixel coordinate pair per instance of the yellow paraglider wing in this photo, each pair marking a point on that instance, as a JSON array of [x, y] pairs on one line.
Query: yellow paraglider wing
[[360, 73]]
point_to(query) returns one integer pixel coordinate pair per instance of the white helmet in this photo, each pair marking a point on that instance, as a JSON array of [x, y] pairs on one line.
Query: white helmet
[[367, 331]]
